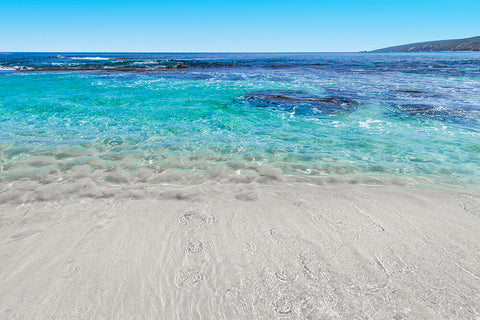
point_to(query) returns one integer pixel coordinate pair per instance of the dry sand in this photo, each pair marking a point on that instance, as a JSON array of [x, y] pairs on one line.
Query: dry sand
[[245, 252]]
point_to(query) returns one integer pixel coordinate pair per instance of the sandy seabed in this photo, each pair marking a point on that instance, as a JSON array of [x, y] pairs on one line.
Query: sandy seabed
[[217, 251]]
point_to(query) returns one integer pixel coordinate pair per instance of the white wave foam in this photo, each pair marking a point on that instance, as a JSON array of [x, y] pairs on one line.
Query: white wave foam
[[22, 68], [149, 61], [368, 122], [89, 58], [2, 68]]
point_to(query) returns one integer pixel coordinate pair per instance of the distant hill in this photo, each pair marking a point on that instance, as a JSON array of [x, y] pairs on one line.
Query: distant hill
[[469, 44]]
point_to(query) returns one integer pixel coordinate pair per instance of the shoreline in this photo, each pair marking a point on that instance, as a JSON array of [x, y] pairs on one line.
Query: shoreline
[[82, 184], [222, 251]]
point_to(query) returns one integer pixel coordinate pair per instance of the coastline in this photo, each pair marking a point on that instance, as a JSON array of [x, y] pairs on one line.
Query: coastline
[[245, 251]]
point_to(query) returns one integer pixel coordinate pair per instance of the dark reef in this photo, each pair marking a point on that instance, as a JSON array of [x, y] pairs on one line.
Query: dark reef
[[292, 99], [442, 113]]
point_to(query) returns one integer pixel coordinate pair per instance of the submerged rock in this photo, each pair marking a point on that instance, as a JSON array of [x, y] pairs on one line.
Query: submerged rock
[[410, 91], [420, 109], [415, 93], [282, 96], [444, 113], [296, 99]]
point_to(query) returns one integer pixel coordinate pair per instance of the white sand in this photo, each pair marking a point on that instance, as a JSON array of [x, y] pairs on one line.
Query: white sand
[[245, 252]]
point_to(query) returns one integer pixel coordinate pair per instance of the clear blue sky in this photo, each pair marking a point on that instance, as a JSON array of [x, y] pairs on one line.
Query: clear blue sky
[[213, 25]]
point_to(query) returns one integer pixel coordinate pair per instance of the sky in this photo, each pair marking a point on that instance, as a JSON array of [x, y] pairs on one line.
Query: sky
[[230, 26]]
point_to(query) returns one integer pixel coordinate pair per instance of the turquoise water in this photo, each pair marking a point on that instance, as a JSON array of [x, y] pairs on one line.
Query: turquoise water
[[116, 119]]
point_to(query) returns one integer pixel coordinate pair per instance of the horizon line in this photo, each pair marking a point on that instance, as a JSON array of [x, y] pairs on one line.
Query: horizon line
[[183, 51]]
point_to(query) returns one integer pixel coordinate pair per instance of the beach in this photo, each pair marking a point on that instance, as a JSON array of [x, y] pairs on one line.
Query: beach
[[239, 186], [226, 251]]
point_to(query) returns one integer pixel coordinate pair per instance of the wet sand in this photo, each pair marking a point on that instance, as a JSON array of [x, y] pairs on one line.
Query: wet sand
[[245, 252]]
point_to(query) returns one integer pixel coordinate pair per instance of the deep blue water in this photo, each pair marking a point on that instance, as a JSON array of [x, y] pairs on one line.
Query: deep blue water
[[123, 118]]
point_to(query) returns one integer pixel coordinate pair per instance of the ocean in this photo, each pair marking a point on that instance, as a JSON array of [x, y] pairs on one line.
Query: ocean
[[87, 124]]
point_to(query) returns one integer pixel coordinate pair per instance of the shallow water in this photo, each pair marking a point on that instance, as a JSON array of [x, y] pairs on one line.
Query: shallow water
[[151, 119]]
